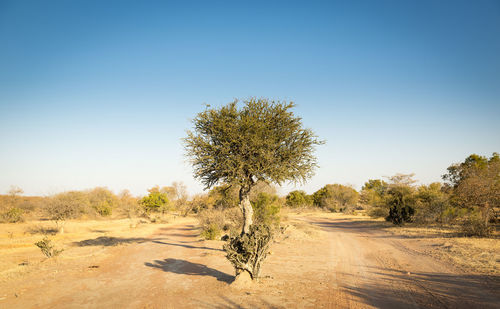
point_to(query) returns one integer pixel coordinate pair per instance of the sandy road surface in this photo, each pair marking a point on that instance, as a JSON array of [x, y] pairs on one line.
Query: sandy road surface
[[340, 264]]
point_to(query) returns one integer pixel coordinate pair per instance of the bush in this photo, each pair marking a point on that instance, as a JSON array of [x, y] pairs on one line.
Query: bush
[[155, 201], [400, 214], [298, 198], [474, 225], [216, 221], [267, 210], [377, 212], [211, 232], [401, 200], [13, 215], [247, 252], [48, 248], [67, 205], [102, 201], [335, 197]]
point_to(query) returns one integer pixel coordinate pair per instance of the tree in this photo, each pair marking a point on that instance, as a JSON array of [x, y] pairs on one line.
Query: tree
[[401, 198], [335, 197], [263, 140], [66, 205], [431, 202], [155, 201], [103, 201], [475, 184], [298, 198]]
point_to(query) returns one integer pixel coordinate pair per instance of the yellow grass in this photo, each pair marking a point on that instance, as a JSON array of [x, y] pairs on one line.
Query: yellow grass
[[81, 239]]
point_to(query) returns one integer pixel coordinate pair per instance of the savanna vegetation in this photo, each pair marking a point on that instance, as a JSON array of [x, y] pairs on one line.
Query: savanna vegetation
[[241, 155]]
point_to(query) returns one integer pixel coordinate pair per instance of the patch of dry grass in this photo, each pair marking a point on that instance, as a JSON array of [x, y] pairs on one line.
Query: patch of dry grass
[[81, 239]]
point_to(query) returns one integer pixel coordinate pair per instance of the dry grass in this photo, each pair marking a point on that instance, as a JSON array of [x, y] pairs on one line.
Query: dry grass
[[81, 239]]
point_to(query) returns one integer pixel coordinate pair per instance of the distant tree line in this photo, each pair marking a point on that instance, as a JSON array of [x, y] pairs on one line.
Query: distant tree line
[[468, 197]]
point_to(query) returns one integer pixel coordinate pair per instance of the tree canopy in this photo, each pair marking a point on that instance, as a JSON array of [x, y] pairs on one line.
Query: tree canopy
[[262, 140]]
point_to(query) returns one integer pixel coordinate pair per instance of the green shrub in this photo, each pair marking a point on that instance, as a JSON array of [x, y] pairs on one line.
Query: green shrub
[[401, 200], [47, 247], [266, 209], [13, 215], [298, 198], [155, 201], [211, 232]]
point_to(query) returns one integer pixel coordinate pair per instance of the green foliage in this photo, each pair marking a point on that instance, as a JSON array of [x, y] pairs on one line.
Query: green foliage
[[211, 232], [267, 209], [431, 202], [263, 140], [335, 197], [155, 201], [47, 247], [224, 196], [247, 251], [401, 200], [475, 185], [298, 198], [13, 215], [377, 185]]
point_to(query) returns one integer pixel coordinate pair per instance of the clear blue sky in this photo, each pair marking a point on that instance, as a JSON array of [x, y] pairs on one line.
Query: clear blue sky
[[99, 93]]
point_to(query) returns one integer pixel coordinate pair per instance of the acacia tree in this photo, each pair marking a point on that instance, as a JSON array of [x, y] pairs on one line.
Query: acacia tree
[[262, 140]]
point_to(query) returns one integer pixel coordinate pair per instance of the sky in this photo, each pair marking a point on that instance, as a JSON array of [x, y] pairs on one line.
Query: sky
[[100, 93]]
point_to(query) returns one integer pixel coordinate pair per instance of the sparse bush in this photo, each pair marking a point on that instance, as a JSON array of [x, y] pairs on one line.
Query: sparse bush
[[47, 247], [102, 201], [13, 215], [247, 251], [216, 221], [67, 205], [128, 204], [378, 212]]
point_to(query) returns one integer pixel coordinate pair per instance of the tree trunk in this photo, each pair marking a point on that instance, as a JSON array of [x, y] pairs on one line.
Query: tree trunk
[[246, 209]]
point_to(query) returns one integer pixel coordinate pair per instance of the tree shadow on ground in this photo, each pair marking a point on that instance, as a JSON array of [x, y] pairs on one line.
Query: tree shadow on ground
[[185, 246], [372, 227], [109, 241], [189, 268]]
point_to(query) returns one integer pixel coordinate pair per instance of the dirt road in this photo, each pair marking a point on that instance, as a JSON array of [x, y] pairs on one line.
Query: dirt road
[[323, 263]]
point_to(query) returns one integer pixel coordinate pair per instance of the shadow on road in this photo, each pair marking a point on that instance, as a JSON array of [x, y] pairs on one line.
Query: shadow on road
[[189, 268], [109, 241], [371, 227], [185, 246]]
